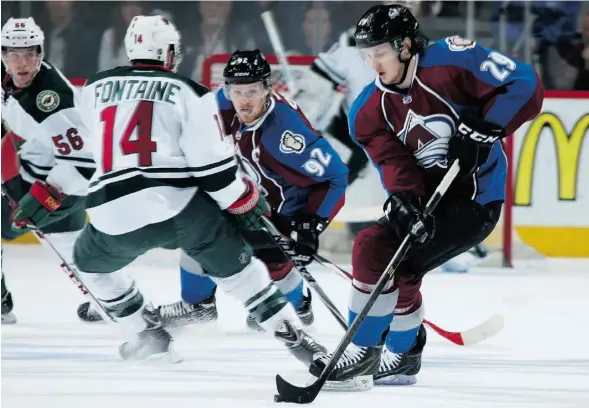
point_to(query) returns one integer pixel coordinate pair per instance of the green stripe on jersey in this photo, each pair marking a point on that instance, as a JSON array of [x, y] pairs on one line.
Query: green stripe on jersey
[[118, 189]]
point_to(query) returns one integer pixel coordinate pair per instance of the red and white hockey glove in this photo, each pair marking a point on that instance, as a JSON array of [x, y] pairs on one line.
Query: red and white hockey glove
[[41, 200], [249, 209]]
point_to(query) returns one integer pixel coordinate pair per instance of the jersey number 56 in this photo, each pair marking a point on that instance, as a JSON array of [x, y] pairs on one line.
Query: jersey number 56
[[142, 146]]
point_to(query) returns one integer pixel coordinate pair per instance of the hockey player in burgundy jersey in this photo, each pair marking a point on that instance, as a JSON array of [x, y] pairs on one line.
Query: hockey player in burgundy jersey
[[429, 105]]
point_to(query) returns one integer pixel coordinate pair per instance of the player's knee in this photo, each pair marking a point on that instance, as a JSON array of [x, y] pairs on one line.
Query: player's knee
[[278, 271], [367, 263], [409, 291], [93, 255]]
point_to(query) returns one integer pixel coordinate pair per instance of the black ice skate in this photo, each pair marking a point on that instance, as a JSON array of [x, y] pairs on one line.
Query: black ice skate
[[304, 312], [7, 316], [401, 368], [182, 313], [153, 340], [354, 370], [299, 343], [88, 313]]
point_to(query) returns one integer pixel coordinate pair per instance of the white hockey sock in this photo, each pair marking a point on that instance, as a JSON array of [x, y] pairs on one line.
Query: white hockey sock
[[253, 287], [118, 293], [64, 243]]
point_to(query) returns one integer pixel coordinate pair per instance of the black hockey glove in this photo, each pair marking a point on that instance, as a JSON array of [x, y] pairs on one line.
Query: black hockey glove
[[308, 228], [472, 144], [404, 216]]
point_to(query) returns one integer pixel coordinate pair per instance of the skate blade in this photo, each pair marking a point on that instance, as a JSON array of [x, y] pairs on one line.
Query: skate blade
[[360, 383], [147, 353], [396, 380], [8, 318], [189, 320], [172, 357]]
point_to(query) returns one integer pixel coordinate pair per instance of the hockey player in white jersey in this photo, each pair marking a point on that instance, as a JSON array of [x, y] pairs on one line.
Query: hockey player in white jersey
[[165, 173], [40, 114]]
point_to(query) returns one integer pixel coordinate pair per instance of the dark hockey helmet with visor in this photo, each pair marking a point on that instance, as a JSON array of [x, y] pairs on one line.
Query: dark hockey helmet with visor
[[247, 67], [388, 24]]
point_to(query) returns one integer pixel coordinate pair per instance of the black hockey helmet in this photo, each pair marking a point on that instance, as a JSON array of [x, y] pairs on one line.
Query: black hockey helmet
[[246, 67], [390, 23]]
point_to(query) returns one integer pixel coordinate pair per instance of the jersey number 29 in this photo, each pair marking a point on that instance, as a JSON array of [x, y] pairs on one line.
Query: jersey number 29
[[498, 65], [143, 146]]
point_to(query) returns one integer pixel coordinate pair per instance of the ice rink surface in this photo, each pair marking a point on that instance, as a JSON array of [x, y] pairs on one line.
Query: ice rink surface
[[540, 359]]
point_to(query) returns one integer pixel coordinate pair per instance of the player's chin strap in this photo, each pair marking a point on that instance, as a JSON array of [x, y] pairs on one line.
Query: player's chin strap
[[406, 64]]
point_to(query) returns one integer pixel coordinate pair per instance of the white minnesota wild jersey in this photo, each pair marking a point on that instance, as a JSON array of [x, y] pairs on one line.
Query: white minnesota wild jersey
[[156, 139], [51, 136], [342, 64]]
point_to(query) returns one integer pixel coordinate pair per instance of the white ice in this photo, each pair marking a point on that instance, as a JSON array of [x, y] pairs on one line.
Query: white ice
[[540, 359]]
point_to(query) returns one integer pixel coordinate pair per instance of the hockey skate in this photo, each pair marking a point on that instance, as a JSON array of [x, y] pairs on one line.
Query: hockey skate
[[7, 316], [354, 370], [304, 312], [299, 343], [181, 313], [401, 368], [87, 313], [152, 341], [173, 315]]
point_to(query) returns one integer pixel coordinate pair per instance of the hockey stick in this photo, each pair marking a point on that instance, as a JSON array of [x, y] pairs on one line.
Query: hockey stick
[[476, 334], [304, 395], [70, 271], [274, 233], [277, 45], [279, 51]]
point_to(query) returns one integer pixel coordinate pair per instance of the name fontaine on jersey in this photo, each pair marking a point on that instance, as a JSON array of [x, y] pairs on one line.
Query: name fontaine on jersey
[[135, 89]]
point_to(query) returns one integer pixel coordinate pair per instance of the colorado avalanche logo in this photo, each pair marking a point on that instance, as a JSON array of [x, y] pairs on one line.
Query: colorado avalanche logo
[[291, 143], [427, 137], [250, 171], [457, 43]]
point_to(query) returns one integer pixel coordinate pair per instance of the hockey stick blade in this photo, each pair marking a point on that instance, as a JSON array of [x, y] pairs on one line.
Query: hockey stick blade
[[299, 395], [483, 331]]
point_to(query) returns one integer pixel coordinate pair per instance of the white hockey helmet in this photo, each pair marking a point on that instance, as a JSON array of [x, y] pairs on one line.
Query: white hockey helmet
[[152, 38], [22, 33]]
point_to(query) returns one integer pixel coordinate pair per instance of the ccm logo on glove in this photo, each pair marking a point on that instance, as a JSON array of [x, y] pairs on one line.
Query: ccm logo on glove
[[466, 131]]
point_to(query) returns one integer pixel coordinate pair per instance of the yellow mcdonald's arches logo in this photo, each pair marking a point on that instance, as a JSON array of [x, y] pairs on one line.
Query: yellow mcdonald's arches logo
[[568, 150]]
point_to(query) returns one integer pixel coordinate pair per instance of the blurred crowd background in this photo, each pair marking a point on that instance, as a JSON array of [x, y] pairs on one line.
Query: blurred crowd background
[[84, 37]]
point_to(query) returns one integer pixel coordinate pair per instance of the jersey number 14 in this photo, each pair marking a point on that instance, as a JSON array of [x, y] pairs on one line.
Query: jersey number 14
[[143, 146]]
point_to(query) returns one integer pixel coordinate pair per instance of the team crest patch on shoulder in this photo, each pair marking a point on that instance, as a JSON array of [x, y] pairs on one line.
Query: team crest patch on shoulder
[[47, 101], [457, 43], [292, 143]]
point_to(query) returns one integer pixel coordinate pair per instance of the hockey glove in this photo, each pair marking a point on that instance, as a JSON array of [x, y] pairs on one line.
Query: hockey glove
[[41, 200], [404, 216], [472, 144], [308, 228], [250, 207]]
